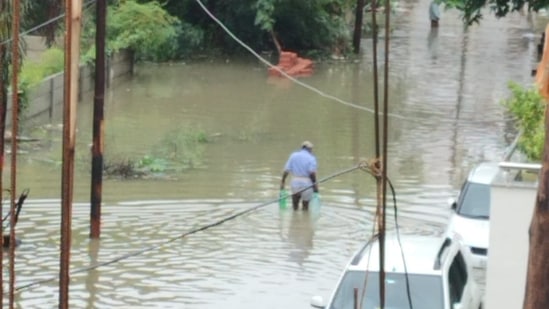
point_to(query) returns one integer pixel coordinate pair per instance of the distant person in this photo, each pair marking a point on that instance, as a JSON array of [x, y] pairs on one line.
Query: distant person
[[302, 165], [434, 13]]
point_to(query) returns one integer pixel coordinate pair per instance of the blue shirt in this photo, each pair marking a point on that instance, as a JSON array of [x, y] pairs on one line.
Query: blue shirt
[[301, 163]]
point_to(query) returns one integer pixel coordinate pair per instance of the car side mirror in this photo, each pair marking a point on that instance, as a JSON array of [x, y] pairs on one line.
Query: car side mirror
[[318, 302]]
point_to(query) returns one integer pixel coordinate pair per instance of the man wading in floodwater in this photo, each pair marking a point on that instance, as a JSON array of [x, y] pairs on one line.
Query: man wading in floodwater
[[302, 165]]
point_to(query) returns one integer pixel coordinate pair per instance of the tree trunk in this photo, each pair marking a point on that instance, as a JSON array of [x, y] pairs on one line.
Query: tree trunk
[[537, 277], [357, 34], [536, 294]]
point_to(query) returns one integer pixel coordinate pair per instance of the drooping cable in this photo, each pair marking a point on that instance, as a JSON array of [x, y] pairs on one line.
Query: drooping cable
[[248, 48], [47, 22], [397, 231], [188, 233]]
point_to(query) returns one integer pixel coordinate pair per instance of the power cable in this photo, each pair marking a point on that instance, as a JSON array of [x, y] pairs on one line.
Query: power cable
[[407, 279], [188, 233], [440, 116], [309, 87], [328, 96], [408, 292]]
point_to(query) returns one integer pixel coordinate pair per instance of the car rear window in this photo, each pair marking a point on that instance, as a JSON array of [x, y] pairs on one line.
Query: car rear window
[[425, 291], [474, 201]]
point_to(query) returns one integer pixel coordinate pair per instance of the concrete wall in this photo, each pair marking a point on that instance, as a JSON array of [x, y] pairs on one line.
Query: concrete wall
[[512, 206], [46, 97]]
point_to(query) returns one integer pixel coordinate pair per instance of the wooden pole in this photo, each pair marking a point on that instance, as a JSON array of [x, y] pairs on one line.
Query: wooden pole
[[537, 277], [3, 106], [15, 116], [73, 15], [98, 120]]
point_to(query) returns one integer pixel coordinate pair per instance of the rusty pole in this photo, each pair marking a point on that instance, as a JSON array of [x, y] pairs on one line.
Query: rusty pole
[[98, 120], [384, 161], [73, 15], [3, 107], [14, 112], [376, 86], [380, 211]]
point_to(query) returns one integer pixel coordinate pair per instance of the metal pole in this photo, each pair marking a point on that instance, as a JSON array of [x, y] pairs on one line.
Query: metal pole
[[73, 11], [14, 112], [385, 159], [376, 86], [98, 120], [380, 213]]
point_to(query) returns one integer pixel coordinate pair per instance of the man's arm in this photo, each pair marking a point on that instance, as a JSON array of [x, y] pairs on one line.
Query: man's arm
[[283, 181], [313, 179]]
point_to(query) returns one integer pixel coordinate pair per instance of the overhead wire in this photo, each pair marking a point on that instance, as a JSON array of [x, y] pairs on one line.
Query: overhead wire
[[47, 22], [321, 93], [188, 233], [309, 87], [318, 91], [266, 62], [365, 168]]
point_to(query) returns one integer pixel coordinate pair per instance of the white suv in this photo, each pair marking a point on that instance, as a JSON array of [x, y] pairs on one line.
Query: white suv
[[471, 216], [429, 272]]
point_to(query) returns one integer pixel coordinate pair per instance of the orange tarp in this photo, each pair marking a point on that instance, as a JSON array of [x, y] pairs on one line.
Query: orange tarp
[[291, 64]]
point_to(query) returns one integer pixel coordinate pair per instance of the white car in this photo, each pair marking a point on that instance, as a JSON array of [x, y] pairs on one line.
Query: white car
[[471, 216], [425, 272]]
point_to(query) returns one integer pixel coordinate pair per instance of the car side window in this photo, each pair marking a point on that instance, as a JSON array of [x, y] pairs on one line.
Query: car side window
[[457, 278]]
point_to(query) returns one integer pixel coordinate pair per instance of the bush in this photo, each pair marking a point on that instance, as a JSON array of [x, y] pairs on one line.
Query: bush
[[34, 72], [528, 107]]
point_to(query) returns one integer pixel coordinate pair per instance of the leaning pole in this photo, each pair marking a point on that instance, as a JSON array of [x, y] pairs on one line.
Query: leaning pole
[[73, 18]]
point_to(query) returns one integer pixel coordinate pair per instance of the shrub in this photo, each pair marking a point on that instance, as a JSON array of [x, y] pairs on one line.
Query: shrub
[[528, 107]]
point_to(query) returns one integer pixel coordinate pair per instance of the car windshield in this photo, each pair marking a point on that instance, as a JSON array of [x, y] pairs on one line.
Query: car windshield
[[475, 201], [425, 291]]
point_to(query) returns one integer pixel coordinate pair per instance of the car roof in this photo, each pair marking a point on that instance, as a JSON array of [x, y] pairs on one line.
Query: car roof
[[419, 252], [484, 173]]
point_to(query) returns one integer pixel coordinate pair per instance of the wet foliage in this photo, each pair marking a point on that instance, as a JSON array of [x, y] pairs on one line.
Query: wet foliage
[[180, 149], [527, 107]]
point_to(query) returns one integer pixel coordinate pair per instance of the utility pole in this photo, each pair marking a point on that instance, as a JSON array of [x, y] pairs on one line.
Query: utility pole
[[537, 277], [16, 9], [73, 17], [98, 120], [4, 76]]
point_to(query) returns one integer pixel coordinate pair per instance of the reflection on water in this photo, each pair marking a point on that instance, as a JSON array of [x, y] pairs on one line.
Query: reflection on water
[[443, 85], [300, 235], [432, 43]]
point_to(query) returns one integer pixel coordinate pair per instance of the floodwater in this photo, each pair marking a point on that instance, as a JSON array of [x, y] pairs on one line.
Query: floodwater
[[445, 89]]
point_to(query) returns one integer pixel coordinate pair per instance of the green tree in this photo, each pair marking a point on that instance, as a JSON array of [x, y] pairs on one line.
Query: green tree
[[44, 12], [305, 25], [473, 9], [145, 28]]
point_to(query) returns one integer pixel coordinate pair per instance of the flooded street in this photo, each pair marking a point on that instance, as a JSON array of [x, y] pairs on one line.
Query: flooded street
[[445, 85]]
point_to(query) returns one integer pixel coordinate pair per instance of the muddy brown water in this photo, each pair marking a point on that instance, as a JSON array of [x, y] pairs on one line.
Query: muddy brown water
[[445, 91]]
